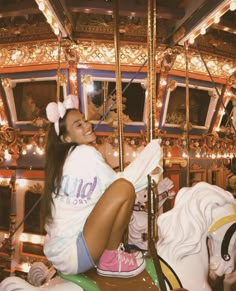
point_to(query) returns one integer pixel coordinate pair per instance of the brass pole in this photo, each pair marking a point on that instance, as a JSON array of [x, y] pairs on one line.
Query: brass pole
[[105, 94], [187, 125], [59, 68], [118, 83], [151, 92], [151, 40], [152, 205]]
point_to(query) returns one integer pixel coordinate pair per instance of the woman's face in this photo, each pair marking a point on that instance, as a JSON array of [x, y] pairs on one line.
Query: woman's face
[[78, 130]]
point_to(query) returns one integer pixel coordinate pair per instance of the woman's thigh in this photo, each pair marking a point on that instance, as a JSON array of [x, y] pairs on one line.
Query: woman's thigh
[[100, 222]]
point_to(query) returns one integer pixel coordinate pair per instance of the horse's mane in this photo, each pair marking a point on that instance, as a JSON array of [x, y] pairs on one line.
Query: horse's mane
[[181, 229]]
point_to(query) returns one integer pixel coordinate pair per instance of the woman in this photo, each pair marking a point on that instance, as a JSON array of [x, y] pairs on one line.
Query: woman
[[88, 205]]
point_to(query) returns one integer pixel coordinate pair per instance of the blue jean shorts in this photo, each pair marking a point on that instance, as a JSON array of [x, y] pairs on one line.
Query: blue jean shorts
[[85, 261]]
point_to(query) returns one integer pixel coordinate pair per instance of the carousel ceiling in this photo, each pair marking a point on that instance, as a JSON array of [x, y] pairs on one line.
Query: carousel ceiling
[[24, 20]]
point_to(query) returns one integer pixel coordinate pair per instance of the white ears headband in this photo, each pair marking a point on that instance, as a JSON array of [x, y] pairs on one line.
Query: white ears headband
[[55, 110]]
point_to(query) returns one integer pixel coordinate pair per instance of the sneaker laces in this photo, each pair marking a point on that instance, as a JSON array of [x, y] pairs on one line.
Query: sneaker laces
[[124, 257]]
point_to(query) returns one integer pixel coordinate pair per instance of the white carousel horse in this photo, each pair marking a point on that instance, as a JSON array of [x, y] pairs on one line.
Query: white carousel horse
[[202, 215], [55, 284], [40, 278], [138, 226]]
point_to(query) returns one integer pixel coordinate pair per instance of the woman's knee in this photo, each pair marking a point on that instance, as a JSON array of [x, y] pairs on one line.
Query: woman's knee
[[125, 184], [124, 188]]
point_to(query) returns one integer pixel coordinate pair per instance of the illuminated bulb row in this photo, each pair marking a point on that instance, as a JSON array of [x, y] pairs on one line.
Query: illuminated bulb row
[[219, 156], [116, 154], [230, 5], [20, 182], [4, 180], [40, 151], [50, 19], [32, 238]]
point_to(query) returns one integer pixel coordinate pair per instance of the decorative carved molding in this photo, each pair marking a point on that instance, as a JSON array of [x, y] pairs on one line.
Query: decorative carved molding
[[36, 188], [214, 166], [4, 183], [91, 52], [196, 167], [170, 162]]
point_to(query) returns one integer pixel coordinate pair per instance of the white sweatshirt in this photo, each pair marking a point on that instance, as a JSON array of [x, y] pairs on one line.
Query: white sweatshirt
[[85, 178]]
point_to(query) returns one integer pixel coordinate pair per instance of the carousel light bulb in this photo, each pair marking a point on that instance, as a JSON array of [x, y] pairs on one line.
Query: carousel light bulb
[[203, 30], [197, 155], [232, 6], [217, 19], [4, 122], [222, 112], [159, 104], [73, 77], [24, 152], [134, 154], [56, 30], [49, 16], [7, 155], [29, 146], [163, 82], [184, 155], [169, 155], [39, 151], [41, 6], [191, 40]]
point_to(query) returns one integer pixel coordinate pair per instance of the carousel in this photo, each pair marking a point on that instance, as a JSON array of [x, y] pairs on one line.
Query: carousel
[[184, 222]]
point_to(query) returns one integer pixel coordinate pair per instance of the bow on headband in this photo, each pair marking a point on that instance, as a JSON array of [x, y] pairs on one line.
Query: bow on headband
[[55, 110]]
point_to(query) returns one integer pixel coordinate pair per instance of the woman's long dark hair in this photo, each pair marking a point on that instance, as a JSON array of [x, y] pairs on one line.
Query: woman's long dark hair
[[55, 154]]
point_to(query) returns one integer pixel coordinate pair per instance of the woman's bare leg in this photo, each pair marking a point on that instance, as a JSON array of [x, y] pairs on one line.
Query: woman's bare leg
[[107, 222]]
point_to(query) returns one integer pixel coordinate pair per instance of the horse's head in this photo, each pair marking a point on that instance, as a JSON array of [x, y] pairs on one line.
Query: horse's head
[[183, 229], [222, 240]]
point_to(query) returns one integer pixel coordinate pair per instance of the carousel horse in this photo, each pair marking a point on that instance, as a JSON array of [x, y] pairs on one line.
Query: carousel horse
[[203, 215], [138, 226]]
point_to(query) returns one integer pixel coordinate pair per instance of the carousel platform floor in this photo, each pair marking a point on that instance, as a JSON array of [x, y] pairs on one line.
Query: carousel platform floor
[[139, 283]]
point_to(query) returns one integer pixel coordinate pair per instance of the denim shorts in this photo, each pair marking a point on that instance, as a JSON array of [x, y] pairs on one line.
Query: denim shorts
[[85, 261]]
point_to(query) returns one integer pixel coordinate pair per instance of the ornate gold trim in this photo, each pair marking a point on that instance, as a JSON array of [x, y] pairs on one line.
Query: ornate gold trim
[[170, 162], [36, 188], [91, 52]]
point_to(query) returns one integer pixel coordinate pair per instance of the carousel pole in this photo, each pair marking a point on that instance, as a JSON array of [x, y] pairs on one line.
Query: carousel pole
[[151, 40], [58, 69], [118, 83], [152, 207], [187, 125]]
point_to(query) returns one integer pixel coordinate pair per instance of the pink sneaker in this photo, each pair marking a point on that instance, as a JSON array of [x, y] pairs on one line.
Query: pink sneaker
[[120, 264]]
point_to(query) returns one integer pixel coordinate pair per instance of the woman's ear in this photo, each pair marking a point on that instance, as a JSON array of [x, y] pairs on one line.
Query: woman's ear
[[65, 139]]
